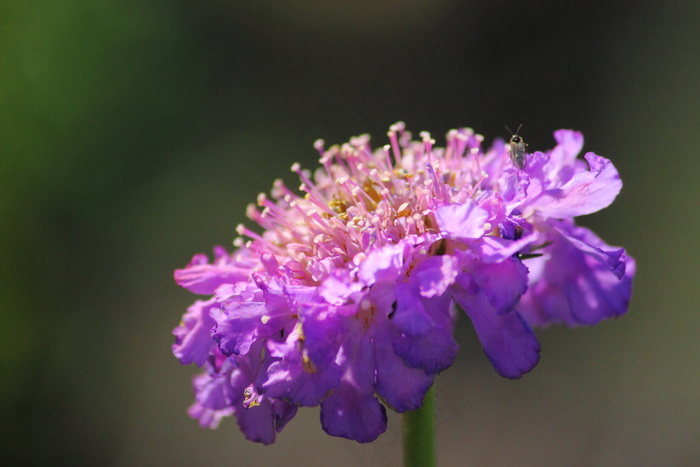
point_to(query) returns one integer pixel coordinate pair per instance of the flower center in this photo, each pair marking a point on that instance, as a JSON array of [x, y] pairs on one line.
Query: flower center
[[360, 199]]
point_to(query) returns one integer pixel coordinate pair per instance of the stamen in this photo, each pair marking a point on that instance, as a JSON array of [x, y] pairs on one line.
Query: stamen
[[395, 143]]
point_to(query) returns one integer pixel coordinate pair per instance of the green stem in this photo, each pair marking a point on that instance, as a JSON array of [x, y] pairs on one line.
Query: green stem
[[419, 434]]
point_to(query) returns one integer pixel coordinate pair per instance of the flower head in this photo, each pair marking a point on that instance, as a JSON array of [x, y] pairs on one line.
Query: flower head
[[347, 298]]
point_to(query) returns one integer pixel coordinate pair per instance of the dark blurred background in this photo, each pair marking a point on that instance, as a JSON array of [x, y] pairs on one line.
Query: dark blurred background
[[133, 134]]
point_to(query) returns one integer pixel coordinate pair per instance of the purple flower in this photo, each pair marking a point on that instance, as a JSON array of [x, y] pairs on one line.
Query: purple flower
[[347, 299]]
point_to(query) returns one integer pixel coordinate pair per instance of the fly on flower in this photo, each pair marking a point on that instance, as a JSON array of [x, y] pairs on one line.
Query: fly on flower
[[347, 299], [518, 147]]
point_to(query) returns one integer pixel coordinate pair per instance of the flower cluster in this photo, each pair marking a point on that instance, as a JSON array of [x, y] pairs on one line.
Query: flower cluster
[[348, 296]]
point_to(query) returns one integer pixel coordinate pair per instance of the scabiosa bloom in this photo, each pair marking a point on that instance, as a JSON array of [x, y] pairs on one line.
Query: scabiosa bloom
[[347, 298]]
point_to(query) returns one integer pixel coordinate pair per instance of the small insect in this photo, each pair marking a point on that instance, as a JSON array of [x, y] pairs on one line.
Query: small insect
[[517, 148]]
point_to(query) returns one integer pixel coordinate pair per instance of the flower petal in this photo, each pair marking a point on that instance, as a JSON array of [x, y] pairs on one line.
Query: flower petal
[[503, 283], [193, 342], [200, 277], [239, 325], [410, 315], [338, 286], [430, 345], [508, 341], [351, 410], [434, 275], [288, 380], [382, 264], [586, 192], [260, 423], [461, 221], [350, 415], [208, 418], [580, 281], [401, 387], [324, 331], [495, 249], [569, 145]]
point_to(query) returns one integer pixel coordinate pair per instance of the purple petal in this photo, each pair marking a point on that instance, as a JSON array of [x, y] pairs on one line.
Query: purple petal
[[212, 391], [580, 281], [259, 416], [508, 341], [569, 145], [260, 423], [586, 192], [516, 186], [283, 413], [351, 410], [297, 377], [461, 221], [322, 268], [249, 374], [288, 380], [495, 249], [401, 387], [193, 341], [434, 275], [324, 331], [556, 167], [382, 264], [208, 418], [274, 292], [255, 311], [350, 415], [410, 315], [614, 259], [203, 278], [241, 324], [502, 283], [433, 349], [337, 288]]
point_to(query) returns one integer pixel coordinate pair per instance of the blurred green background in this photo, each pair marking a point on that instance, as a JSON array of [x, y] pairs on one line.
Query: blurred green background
[[133, 134]]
